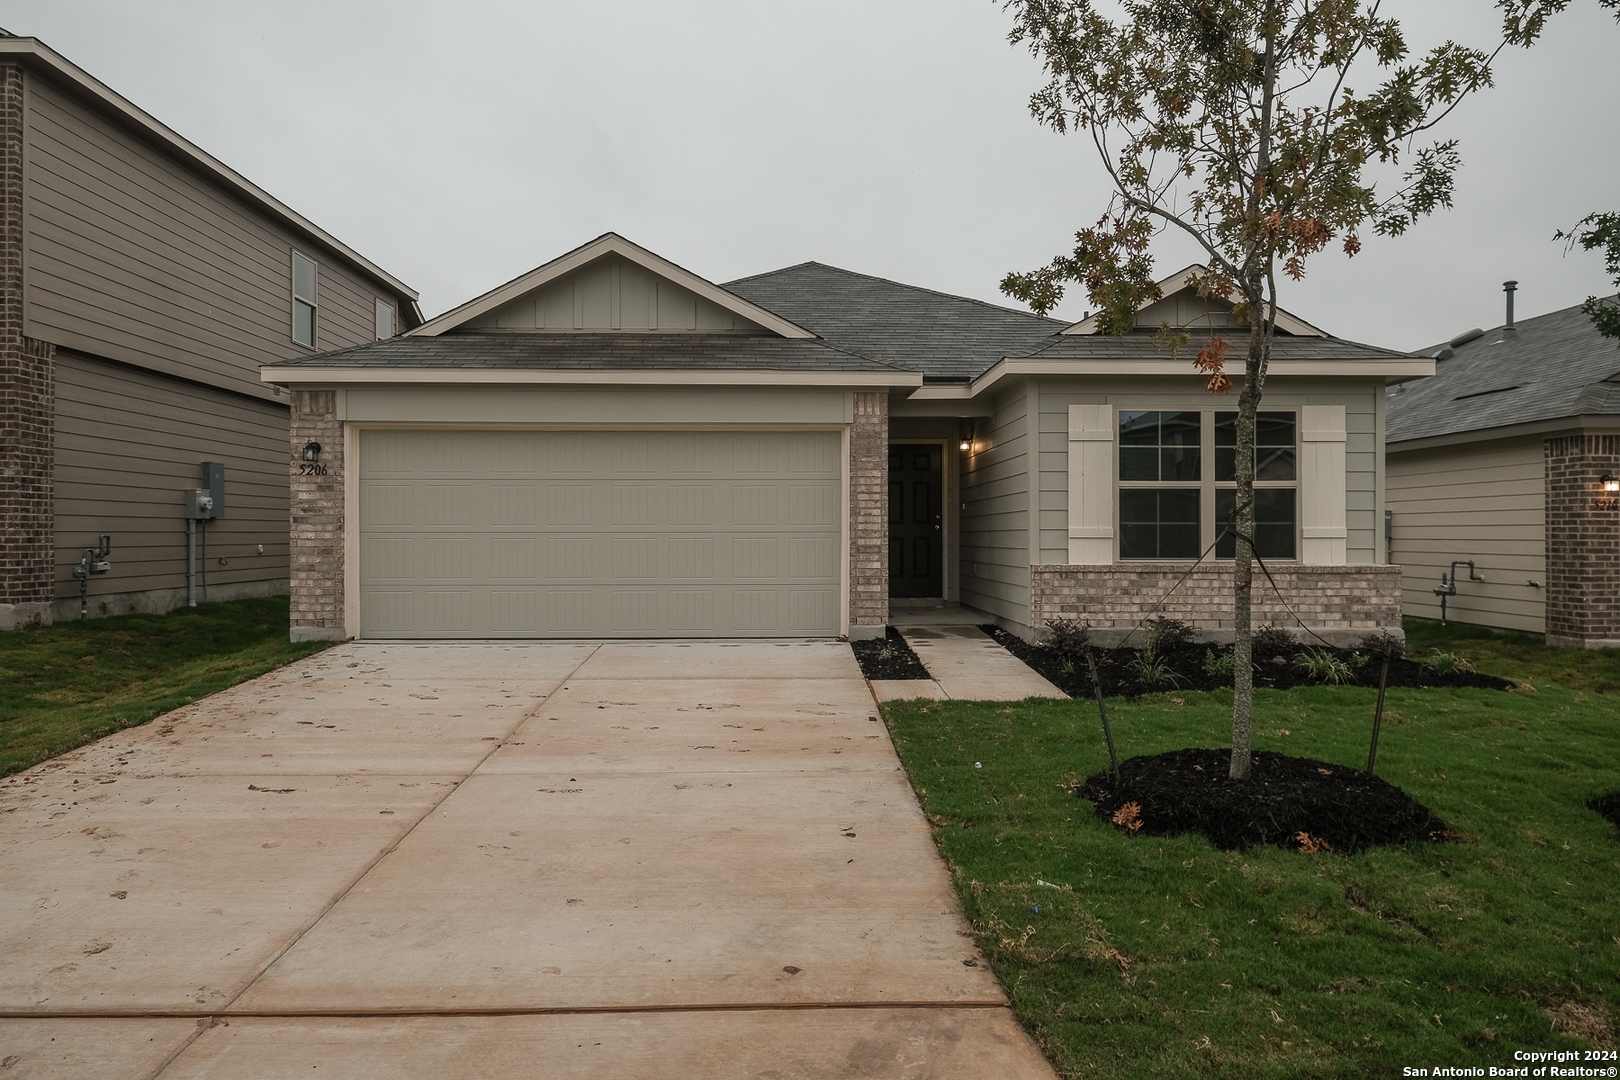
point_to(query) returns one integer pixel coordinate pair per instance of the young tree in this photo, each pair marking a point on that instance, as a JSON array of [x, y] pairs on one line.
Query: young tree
[[1264, 130]]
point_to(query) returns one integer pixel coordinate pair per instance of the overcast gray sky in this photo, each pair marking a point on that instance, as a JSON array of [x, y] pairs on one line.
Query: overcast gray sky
[[459, 144]]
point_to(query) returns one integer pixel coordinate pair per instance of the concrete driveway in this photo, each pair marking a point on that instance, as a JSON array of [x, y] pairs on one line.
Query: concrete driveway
[[495, 860]]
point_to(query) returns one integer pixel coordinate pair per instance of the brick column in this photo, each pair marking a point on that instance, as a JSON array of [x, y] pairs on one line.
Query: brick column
[[1583, 542], [317, 520], [869, 517], [27, 398]]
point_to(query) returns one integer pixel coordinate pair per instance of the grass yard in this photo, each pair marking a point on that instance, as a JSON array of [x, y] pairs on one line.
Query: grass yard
[[65, 685], [1136, 956]]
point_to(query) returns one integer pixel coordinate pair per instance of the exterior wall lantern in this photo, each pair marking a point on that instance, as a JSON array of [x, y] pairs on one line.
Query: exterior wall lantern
[[965, 445], [1609, 482], [312, 451]]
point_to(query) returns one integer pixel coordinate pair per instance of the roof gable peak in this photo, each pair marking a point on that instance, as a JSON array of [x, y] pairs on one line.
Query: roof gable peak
[[612, 284], [1180, 305]]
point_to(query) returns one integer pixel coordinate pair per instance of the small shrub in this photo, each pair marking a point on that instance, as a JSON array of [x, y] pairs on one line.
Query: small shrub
[[1129, 816], [1153, 669], [1445, 663], [1164, 634], [1376, 644], [1272, 641], [1323, 666], [1068, 640], [1217, 665]]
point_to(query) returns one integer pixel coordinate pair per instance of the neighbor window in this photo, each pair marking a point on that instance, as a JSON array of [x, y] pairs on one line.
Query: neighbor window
[[304, 304], [1177, 484], [385, 320]]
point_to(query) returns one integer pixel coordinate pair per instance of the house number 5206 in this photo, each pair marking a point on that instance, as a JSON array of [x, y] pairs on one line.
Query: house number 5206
[[312, 468]]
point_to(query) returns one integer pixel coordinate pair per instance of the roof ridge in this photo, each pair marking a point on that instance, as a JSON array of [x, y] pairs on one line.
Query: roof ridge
[[902, 285]]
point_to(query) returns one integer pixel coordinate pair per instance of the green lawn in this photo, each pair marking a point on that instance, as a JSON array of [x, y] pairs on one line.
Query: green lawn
[[1136, 956], [62, 686]]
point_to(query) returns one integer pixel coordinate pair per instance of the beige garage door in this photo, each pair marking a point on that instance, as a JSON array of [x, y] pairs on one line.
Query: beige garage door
[[482, 534]]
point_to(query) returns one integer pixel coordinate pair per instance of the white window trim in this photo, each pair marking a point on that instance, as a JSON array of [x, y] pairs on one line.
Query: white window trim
[[1320, 484]]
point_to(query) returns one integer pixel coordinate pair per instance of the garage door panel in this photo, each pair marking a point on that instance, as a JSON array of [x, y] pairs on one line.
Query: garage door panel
[[513, 533]]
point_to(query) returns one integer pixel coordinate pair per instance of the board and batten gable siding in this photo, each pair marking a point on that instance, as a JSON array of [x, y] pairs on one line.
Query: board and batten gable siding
[[613, 293], [133, 256], [1480, 501], [128, 445], [995, 528], [1363, 430]]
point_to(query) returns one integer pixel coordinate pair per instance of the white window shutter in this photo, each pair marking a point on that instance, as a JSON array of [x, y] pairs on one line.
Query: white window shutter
[[1091, 484], [1323, 535]]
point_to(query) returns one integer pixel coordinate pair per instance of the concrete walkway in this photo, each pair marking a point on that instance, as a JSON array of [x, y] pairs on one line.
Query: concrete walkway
[[501, 860], [965, 663]]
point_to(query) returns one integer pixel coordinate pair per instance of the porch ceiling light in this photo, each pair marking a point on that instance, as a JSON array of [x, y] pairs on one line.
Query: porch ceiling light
[[312, 451], [1609, 482]]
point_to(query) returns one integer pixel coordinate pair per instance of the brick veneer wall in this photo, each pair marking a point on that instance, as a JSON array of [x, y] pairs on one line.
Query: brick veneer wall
[[1341, 603], [27, 389], [869, 516], [1583, 542], [317, 520]]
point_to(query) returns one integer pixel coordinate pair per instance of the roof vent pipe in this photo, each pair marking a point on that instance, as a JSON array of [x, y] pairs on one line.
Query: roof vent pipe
[[1509, 287]]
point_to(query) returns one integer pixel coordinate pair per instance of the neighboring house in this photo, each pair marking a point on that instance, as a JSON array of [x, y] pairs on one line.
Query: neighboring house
[[142, 285], [1500, 460], [612, 446]]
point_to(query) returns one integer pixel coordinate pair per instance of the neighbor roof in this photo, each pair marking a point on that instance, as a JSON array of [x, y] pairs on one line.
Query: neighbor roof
[[939, 335], [1551, 367]]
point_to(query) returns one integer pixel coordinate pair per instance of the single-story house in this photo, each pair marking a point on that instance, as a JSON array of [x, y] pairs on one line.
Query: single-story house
[[144, 283], [1502, 480], [612, 446]]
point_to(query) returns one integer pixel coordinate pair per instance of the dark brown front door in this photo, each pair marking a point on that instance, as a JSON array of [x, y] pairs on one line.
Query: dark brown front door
[[916, 527]]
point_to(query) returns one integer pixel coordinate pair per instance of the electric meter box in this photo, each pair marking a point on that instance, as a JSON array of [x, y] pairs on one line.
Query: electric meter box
[[213, 482]]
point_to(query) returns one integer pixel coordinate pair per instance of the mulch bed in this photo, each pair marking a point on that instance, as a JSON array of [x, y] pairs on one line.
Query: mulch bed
[[888, 658], [1186, 667], [1286, 801]]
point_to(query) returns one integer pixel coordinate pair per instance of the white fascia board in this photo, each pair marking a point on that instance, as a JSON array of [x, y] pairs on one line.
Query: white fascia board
[[1178, 281], [297, 376], [42, 57], [609, 243], [1398, 369]]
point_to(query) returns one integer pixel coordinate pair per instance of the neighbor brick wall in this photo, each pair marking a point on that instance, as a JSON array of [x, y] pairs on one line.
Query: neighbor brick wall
[[869, 512], [1583, 542], [1342, 603], [317, 518], [27, 387]]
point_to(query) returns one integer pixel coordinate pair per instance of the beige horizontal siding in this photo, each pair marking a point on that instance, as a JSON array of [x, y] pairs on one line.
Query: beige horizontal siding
[[129, 443], [1484, 502], [133, 257], [995, 489]]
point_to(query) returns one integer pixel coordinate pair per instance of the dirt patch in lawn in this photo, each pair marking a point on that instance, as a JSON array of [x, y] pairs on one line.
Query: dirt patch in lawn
[[1286, 801], [1608, 806]]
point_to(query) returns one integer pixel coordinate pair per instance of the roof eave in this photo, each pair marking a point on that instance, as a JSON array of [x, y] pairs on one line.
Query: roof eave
[[1391, 371], [306, 376]]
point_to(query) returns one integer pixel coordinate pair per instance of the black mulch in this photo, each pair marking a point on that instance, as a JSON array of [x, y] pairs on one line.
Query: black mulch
[[1608, 806], [1187, 668], [888, 658], [1286, 801]]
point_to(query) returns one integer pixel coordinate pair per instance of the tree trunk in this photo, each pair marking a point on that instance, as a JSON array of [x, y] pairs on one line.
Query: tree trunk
[[1254, 376]]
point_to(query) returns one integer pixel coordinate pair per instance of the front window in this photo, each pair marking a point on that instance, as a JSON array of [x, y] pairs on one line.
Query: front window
[[1172, 506]]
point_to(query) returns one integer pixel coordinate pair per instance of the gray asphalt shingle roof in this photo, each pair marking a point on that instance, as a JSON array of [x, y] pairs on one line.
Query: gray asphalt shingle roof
[[1552, 366], [513, 350], [939, 335]]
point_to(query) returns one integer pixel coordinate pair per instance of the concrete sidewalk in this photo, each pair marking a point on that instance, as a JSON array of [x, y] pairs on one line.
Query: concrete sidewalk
[[965, 663], [672, 859]]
